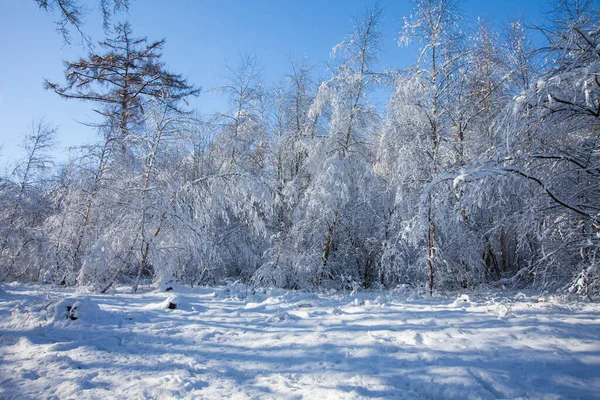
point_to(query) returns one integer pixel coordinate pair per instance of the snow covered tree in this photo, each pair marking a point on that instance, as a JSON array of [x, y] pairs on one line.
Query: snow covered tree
[[146, 192], [425, 119], [23, 207], [556, 143], [520, 56], [238, 191], [243, 124], [544, 172], [483, 169], [290, 133], [334, 224], [126, 82]]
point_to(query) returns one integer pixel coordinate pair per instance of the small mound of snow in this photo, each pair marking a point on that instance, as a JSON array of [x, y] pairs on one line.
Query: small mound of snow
[[172, 285], [356, 303], [235, 290], [262, 305], [167, 285], [462, 301], [409, 337], [253, 306], [301, 314], [170, 303], [280, 316], [79, 308], [272, 300]]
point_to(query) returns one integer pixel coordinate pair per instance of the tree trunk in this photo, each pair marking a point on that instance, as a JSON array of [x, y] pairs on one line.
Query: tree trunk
[[430, 246], [327, 248]]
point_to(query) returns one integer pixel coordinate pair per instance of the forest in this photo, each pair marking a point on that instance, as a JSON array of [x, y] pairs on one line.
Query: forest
[[481, 170]]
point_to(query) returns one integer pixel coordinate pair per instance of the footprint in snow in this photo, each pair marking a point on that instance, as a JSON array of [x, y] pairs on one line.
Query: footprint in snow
[[418, 338]]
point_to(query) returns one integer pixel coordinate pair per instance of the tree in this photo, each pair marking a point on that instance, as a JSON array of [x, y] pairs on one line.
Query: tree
[[126, 81], [72, 13], [434, 26], [123, 80], [520, 56], [334, 227], [243, 123], [544, 175], [23, 206], [234, 182], [556, 142], [290, 132]]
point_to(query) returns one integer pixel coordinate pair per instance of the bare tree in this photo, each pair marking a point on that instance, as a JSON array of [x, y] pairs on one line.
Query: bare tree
[[242, 123], [71, 14]]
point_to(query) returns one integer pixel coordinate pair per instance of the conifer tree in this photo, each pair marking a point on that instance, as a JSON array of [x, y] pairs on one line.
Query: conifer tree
[[123, 80]]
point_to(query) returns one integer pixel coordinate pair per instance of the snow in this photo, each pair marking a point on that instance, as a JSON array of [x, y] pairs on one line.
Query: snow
[[239, 342]]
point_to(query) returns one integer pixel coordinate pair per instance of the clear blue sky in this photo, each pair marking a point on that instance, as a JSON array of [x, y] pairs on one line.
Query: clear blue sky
[[200, 36]]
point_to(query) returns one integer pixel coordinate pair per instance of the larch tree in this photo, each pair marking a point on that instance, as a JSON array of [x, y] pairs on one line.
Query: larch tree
[[122, 81], [71, 14]]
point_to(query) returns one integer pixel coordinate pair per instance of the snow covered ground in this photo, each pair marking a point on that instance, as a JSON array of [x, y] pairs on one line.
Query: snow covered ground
[[229, 342]]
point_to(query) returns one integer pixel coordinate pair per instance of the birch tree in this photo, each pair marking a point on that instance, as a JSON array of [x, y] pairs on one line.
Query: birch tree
[[434, 26], [336, 208], [23, 206]]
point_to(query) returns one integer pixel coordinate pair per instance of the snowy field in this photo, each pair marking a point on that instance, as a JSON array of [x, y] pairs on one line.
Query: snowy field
[[231, 342]]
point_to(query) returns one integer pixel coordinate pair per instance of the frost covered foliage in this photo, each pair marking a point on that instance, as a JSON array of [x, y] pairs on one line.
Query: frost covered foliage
[[24, 205], [481, 168], [555, 147]]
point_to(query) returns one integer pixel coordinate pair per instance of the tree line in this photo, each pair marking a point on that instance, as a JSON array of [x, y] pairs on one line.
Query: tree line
[[483, 168]]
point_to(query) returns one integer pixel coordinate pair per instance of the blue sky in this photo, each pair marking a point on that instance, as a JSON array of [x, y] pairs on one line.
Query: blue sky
[[200, 36]]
